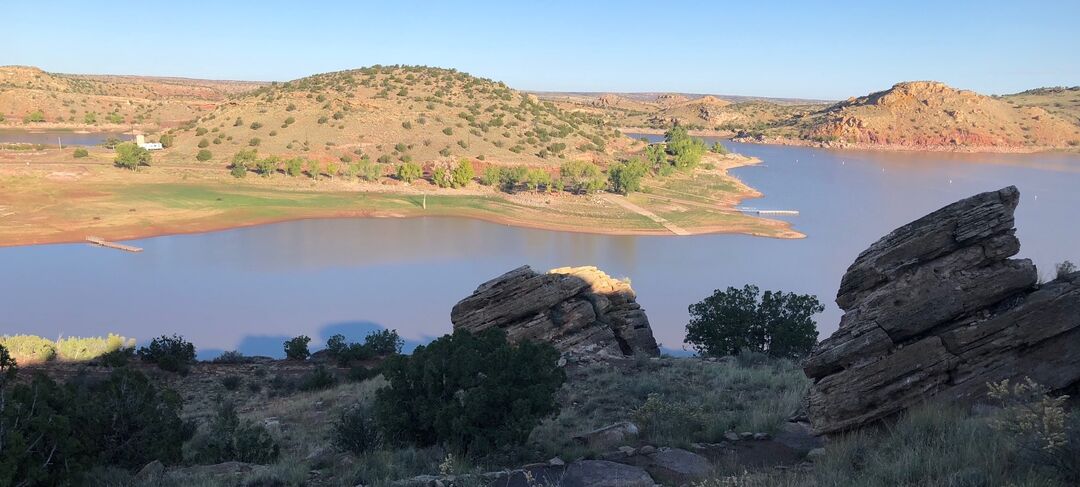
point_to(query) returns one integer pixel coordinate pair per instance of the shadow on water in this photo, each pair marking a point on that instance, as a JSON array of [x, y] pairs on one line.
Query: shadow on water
[[274, 345]]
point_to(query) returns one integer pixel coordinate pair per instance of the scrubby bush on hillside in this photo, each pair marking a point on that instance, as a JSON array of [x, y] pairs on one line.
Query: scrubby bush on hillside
[[81, 152], [318, 379], [171, 353], [131, 156], [76, 348], [1064, 268], [297, 348], [50, 433], [167, 140], [36, 116], [204, 155], [29, 348], [381, 343], [228, 438], [474, 394], [735, 321], [356, 431]]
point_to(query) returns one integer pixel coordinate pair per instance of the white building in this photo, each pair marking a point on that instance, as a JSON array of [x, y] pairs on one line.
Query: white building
[[141, 142]]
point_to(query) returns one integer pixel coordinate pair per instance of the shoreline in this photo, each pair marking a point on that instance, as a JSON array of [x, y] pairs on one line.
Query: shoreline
[[859, 146], [559, 213]]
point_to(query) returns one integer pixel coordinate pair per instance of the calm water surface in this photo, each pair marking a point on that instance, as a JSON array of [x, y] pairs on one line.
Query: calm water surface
[[49, 137], [249, 289]]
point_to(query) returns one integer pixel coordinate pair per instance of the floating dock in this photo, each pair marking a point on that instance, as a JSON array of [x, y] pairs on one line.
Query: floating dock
[[769, 212], [100, 242]]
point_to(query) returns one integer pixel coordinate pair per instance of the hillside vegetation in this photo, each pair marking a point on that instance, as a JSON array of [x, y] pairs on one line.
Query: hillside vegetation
[[911, 115], [33, 98], [400, 114]]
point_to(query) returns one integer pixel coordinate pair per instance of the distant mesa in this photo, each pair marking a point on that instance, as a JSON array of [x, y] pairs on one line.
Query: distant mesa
[[575, 309], [936, 310]]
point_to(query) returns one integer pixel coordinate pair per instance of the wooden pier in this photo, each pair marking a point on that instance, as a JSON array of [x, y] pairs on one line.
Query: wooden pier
[[769, 212], [100, 242]]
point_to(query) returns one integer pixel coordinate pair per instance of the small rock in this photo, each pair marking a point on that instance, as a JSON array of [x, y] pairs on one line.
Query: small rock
[[815, 454], [558, 462], [561, 362], [697, 446], [731, 436], [152, 470], [746, 435], [609, 436], [761, 436], [678, 467], [647, 450]]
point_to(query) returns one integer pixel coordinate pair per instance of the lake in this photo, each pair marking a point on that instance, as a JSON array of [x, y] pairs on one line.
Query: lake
[[49, 137], [250, 289]]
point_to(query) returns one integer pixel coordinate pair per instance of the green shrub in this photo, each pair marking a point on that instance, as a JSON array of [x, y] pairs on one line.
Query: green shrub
[[581, 176], [231, 382], [203, 143], [355, 431], [297, 348], [318, 379], [75, 348], [116, 358], [132, 421], [228, 438], [170, 353], [359, 373], [380, 343], [81, 152], [686, 150], [36, 116], [254, 142], [736, 320], [256, 125], [203, 155], [473, 393], [29, 348], [231, 357], [409, 172], [199, 132], [166, 140]]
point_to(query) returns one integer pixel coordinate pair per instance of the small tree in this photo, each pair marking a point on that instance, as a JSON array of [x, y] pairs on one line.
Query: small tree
[[581, 176], [297, 348], [267, 166], [131, 156], [167, 140], [294, 167], [625, 177], [736, 320], [462, 173]]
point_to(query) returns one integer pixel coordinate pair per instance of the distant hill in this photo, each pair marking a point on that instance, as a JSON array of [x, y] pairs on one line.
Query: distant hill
[[398, 113], [929, 114], [104, 100]]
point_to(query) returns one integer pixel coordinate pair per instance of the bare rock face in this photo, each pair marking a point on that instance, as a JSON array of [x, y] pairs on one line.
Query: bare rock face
[[576, 309], [936, 309]]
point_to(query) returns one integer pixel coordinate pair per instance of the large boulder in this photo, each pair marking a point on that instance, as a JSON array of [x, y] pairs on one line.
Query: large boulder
[[602, 473], [936, 309], [575, 309]]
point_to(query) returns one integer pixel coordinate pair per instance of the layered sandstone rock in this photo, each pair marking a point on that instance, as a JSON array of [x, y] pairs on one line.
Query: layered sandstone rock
[[936, 309], [576, 309]]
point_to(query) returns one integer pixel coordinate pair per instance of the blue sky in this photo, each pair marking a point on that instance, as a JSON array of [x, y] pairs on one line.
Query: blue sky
[[798, 49]]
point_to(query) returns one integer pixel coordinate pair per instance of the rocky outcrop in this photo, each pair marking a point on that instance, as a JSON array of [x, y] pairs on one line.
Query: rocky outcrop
[[936, 309], [576, 309]]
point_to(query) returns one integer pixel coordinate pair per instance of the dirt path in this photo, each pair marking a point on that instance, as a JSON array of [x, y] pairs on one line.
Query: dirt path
[[623, 202]]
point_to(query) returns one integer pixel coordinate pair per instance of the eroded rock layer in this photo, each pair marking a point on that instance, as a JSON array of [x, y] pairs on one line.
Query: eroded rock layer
[[579, 309], [936, 309]]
